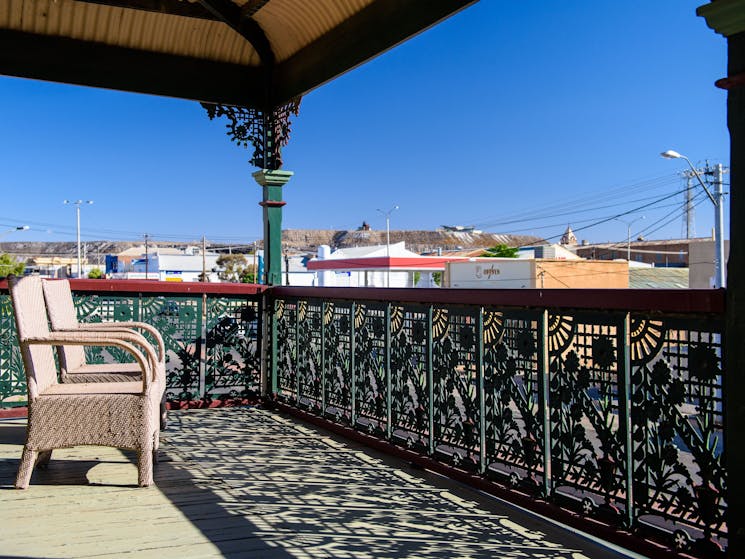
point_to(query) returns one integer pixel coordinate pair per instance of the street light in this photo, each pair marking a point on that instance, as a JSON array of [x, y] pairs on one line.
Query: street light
[[387, 215], [14, 229], [719, 277], [77, 204], [628, 234]]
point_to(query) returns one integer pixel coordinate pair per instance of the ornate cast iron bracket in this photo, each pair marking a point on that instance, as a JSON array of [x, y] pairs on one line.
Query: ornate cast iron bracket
[[266, 131]]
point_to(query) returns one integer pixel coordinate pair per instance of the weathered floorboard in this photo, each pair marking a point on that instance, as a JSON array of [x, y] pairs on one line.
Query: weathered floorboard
[[246, 482]]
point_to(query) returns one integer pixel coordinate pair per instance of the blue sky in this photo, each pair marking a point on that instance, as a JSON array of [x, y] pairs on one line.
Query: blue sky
[[516, 117]]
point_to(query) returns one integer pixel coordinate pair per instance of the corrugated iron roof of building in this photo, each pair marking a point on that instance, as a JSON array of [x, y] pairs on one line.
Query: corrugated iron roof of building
[[658, 278]]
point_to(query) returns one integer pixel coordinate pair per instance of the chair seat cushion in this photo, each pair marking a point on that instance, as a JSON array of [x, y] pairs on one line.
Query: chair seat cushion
[[108, 372]]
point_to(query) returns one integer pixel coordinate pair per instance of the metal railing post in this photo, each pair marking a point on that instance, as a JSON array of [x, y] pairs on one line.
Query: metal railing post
[[544, 379], [388, 376], [323, 358], [481, 389], [203, 349], [625, 417], [430, 385], [261, 344], [297, 353], [353, 376], [272, 317]]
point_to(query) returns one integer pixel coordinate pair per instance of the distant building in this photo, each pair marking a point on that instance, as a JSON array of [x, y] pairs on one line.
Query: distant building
[[552, 251], [673, 253], [701, 263], [295, 271], [52, 266], [376, 266], [535, 273], [178, 265]]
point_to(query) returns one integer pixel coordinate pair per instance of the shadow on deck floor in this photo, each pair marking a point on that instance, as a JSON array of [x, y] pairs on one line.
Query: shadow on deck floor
[[245, 482]]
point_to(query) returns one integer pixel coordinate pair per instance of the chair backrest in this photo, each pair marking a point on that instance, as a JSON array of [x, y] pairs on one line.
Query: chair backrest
[[63, 316], [31, 321]]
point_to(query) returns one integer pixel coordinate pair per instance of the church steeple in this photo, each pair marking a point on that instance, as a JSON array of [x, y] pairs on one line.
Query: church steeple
[[568, 238]]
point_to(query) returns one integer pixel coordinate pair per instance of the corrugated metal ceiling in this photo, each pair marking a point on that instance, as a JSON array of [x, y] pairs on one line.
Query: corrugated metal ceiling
[[289, 26], [123, 27]]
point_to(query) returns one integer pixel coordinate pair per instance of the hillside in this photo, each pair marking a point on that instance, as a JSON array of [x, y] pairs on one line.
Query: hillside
[[293, 240], [417, 241]]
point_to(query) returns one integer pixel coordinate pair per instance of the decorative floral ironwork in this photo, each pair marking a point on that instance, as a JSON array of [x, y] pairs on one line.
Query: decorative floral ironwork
[[439, 323], [267, 132], [560, 332], [647, 337], [456, 399], [493, 327]]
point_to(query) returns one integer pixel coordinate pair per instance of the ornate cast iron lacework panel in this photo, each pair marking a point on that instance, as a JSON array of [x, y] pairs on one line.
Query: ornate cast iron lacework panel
[[633, 433], [227, 366], [12, 379], [456, 386], [513, 398], [410, 364], [586, 389], [233, 362], [372, 383], [677, 418]]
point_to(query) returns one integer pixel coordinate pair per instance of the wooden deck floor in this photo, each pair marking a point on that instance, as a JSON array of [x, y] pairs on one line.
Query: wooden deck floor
[[245, 482]]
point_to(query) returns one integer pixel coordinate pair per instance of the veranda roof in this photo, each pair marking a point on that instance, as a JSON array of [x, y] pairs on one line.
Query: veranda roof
[[259, 53]]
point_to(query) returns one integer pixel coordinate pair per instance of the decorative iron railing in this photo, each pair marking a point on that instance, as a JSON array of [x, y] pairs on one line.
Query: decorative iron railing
[[605, 401], [211, 332], [608, 402]]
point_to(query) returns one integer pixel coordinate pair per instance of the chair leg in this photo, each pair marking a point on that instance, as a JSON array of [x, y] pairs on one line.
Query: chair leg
[[156, 446], [26, 468], [163, 414], [44, 457], [145, 467]]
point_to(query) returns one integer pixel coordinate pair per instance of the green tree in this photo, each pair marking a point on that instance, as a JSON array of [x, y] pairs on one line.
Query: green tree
[[9, 265], [249, 274], [501, 251], [233, 266], [95, 273]]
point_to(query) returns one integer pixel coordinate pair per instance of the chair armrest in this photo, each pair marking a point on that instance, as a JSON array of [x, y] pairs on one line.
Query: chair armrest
[[103, 339], [125, 334], [93, 326]]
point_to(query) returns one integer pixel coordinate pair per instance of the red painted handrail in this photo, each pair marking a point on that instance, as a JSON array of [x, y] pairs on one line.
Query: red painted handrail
[[707, 301], [651, 300], [159, 287]]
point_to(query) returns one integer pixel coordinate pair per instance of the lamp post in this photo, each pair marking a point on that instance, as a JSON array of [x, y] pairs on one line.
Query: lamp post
[[13, 229], [387, 215], [719, 277], [628, 234], [77, 204]]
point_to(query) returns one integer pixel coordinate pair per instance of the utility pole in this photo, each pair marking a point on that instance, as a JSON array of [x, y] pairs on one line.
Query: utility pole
[[77, 204], [720, 264], [147, 257], [688, 208], [256, 270], [204, 258], [718, 202], [719, 223], [387, 215]]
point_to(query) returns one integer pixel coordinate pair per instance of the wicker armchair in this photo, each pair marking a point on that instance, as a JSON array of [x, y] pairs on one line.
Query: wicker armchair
[[119, 414], [73, 364]]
